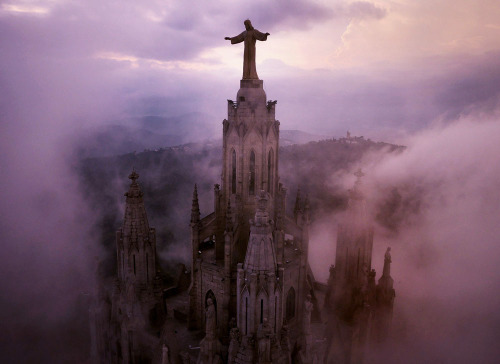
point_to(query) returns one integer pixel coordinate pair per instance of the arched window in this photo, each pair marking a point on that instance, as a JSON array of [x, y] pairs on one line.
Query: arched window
[[246, 315], [211, 295], [275, 313], [233, 172], [251, 184], [270, 169], [261, 311], [290, 304]]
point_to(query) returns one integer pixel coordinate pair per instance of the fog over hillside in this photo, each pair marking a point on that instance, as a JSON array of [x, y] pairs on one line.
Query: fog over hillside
[[168, 175], [84, 83]]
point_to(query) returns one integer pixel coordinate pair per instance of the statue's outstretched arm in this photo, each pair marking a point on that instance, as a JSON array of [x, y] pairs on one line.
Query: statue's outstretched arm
[[238, 39], [260, 36]]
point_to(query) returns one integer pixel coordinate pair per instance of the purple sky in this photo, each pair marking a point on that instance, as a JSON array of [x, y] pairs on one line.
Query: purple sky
[[421, 73]]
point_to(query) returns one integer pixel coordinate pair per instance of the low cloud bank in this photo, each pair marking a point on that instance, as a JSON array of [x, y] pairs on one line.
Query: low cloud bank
[[437, 205]]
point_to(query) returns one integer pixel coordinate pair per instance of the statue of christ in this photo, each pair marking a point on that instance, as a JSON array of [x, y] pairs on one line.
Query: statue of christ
[[250, 36]]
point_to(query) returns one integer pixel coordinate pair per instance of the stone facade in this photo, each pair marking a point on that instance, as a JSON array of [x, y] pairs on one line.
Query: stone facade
[[251, 289], [230, 246], [129, 307]]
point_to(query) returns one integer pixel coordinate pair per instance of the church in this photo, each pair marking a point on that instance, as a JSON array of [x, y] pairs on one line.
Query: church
[[250, 295]]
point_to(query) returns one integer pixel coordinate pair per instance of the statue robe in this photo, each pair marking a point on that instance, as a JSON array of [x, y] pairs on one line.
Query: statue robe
[[249, 37]]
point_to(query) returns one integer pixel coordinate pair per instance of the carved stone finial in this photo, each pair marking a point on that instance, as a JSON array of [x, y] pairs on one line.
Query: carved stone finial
[[133, 176]]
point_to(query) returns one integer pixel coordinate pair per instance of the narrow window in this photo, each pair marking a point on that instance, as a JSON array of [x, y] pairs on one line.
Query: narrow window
[[246, 315], [270, 160], [275, 312], [134, 264], [261, 311], [233, 172], [147, 268], [251, 185]]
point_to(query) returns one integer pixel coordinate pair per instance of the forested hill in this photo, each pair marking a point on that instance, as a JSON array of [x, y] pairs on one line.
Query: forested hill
[[167, 177]]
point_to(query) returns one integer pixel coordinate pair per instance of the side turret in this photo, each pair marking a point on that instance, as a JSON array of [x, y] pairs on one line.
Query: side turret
[[259, 296], [136, 241], [385, 295]]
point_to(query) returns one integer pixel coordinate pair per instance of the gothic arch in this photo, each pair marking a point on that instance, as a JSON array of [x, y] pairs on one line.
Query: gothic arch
[[290, 304], [211, 295], [270, 171], [233, 171], [262, 306], [251, 167], [244, 309]]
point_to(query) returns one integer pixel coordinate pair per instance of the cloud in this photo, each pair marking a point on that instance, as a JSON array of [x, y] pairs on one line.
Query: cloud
[[364, 10], [442, 194], [402, 65], [446, 251]]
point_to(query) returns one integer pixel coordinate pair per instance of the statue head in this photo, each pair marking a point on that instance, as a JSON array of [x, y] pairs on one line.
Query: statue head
[[248, 24], [209, 302]]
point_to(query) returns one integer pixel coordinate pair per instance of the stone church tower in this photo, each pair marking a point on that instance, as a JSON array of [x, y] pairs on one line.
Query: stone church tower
[[136, 241], [359, 311], [252, 291], [130, 308], [241, 259]]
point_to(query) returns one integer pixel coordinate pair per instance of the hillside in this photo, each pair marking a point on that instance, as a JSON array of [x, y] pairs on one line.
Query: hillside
[[167, 177]]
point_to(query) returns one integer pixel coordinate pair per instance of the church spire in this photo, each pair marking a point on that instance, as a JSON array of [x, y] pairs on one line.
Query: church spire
[[195, 209], [136, 241], [261, 255], [306, 209], [298, 202], [135, 221]]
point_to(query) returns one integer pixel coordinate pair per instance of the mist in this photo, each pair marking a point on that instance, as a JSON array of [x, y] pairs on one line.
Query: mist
[[436, 204], [69, 69]]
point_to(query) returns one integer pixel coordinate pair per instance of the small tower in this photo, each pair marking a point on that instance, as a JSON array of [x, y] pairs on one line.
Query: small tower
[[385, 295], [258, 295], [354, 244], [359, 310], [349, 313], [136, 241]]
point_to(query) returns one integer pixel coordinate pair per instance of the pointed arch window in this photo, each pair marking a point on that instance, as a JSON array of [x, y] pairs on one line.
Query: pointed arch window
[[211, 295], [246, 315], [290, 304], [270, 170], [233, 172], [275, 313], [261, 311], [251, 184]]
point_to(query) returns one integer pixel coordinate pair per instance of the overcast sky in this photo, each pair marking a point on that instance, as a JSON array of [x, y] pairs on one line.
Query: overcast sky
[[377, 68], [421, 73]]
